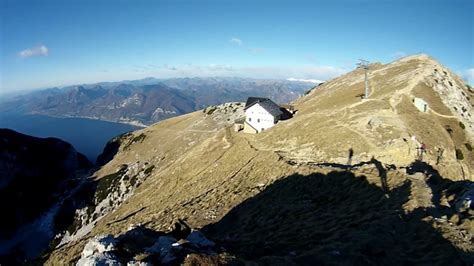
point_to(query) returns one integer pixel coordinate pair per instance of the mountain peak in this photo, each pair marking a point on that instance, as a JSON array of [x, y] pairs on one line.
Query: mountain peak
[[360, 160], [421, 57]]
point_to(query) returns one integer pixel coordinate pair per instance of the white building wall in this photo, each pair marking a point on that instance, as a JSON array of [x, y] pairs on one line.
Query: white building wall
[[421, 104], [259, 118]]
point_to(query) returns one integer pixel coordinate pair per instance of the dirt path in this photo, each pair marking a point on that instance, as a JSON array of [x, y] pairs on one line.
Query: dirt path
[[441, 115], [202, 131], [398, 95], [227, 138]]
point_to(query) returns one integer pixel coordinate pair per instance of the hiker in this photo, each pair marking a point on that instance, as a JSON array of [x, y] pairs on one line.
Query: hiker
[[439, 155], [349, 160], [421, 150]]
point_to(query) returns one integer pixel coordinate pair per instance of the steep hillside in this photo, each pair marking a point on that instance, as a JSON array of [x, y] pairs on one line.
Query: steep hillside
[[387, 126], [341, 182], [34, 175]]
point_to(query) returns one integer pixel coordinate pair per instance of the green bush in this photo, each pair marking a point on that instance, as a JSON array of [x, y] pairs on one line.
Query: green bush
[[462, 125]]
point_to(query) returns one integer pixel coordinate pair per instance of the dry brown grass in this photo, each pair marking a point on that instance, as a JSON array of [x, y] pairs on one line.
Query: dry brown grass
[[203, 171]]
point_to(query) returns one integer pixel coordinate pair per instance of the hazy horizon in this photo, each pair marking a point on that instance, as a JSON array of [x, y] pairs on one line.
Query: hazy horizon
[[56, 44]]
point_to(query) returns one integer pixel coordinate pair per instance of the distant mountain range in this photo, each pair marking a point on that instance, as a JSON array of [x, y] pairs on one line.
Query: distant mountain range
[[146, 101]]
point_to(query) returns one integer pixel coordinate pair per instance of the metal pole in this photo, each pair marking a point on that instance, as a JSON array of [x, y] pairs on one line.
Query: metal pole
[[366, 85], [365, 65]]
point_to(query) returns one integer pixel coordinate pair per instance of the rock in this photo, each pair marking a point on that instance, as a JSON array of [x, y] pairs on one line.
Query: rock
[[198, 239], [99, 244], [138, 263], [466, 201], [163, 243], [98, 259], [167, 247], [454, 219], [97, 252]]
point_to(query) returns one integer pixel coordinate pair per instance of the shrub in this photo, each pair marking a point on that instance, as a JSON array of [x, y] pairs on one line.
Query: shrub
[[107, 183], [149, 169], [459, 155], [449, 129], [209, 110], [462, 125], [136, 139], [468, 146]]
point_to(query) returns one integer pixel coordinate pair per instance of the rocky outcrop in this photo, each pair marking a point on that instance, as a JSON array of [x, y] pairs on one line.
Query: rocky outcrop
[[142, 246], [107, 194]]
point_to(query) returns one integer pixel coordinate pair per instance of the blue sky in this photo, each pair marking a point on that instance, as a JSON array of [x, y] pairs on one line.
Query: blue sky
[[55, 43]]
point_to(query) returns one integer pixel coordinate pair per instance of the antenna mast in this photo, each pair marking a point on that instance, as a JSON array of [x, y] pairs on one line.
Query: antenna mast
[[365, 65]]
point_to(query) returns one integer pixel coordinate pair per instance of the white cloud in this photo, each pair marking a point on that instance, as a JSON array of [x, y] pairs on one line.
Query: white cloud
[[34, 51], [236, 41], [316, 81], [468, 75]]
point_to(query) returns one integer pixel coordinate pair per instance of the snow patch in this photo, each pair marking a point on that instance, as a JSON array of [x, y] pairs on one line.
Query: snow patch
[[316, 81], [198, 239], [97, 252]]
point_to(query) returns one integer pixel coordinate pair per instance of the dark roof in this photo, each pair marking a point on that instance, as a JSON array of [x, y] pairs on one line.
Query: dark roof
[[267, 104], [252, 100]]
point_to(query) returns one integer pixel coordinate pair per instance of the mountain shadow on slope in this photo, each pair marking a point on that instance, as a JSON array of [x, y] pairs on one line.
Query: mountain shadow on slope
[[332, 219], [441, 188], [35, 174]]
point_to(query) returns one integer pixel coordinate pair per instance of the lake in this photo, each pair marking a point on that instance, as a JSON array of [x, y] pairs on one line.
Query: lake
[[86, 135]]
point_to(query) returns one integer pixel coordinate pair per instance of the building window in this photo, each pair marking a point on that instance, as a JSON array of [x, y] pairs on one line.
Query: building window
[[258, 120], [250, 119]]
